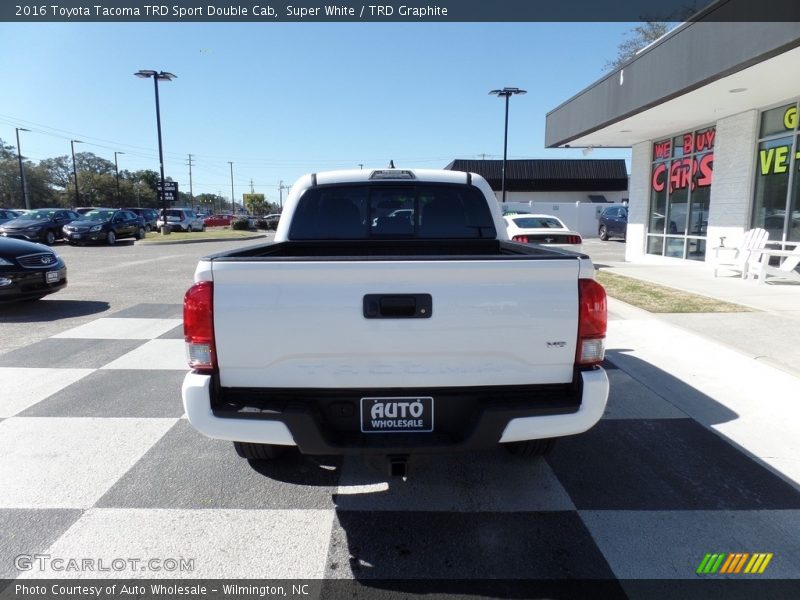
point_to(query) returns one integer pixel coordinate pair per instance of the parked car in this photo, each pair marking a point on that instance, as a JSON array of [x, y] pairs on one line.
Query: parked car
[[541, 229], [105, 225], [6, 214], [401, 217], [82, 210], [613, 222], [219, 220], [182, 219], [29, 271], [150, 216], [40, 225], [272, 221]]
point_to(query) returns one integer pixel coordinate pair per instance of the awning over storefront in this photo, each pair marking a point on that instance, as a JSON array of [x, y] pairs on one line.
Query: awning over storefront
[[698, 73]]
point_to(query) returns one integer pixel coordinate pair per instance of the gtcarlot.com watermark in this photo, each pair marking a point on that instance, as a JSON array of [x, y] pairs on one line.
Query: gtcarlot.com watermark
[[59, 564]]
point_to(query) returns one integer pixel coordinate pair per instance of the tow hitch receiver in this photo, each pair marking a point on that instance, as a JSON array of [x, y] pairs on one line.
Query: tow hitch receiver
[[398, 466]]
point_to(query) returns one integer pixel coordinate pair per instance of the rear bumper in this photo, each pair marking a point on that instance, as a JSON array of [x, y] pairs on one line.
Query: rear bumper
[[467, 418]]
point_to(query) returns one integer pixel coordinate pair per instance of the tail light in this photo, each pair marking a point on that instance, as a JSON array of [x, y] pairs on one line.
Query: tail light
[[522, 239], [574, 239], [198, 327], [592, 322]]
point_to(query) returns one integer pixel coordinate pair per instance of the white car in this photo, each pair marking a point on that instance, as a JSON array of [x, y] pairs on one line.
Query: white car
[[541, 229], [182, 219]]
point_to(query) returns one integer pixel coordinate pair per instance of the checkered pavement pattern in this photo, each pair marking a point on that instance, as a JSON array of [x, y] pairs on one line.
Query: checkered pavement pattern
[[97, 460]]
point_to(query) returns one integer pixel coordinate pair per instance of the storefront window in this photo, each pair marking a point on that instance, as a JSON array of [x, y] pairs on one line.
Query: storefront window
[[680, 194], [794, 206], [775, 206]]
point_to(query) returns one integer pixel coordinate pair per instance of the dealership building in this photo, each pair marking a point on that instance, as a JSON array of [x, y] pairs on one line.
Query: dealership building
[[710, 112]]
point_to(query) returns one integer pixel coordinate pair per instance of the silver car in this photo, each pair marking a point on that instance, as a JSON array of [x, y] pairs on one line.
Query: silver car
[[182, 219]]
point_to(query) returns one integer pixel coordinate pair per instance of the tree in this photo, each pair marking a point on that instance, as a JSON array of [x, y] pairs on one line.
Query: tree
[[206, 202], [643, 35], [10, 195], [256, 204], [89, 161]]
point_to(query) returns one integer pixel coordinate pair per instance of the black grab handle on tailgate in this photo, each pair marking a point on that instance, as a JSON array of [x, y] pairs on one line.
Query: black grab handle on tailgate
[[398, 306]]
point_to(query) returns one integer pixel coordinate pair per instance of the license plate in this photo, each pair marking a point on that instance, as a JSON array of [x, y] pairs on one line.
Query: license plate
[[392, 415], [51, 276], [76, 236]]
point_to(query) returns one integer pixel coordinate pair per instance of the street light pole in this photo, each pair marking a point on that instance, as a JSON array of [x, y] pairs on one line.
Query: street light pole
[[164, 76], [75, 171], [25, 200], [116, 168], [506, 93]]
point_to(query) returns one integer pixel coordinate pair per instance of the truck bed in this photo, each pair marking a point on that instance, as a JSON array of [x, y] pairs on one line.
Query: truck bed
[[395, 250]]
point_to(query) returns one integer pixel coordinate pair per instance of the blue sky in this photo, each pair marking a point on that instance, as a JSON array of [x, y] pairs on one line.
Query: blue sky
[[284, 99]]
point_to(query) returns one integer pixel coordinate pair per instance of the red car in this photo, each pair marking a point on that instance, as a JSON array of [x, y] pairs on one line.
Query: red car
[[219, 220]]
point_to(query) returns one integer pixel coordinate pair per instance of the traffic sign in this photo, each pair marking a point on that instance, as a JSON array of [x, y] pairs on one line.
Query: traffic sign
[[170, 190]]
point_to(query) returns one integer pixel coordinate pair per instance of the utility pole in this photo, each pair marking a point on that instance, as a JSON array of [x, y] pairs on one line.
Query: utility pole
[[191, 195], [233, 202], [75, 171], [282, 187], [252, 191], [116, 169], [25, 199]]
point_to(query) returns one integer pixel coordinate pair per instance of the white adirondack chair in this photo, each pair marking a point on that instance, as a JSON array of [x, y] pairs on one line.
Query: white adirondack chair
[[744, 257], [785, 270]]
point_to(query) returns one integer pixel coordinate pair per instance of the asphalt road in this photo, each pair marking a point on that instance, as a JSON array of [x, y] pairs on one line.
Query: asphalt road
[[105, 279]]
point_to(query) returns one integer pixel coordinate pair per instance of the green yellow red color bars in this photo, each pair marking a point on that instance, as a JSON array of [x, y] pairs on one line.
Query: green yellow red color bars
[[734, 563]]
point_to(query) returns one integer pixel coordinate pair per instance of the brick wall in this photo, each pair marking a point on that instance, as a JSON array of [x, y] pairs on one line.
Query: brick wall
[[639, 200], [732, 185]]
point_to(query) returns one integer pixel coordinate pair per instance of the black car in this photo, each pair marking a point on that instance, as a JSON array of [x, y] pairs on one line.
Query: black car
[[40, 225], [150, 216], [613, 222], [29, 271], [105, 225]]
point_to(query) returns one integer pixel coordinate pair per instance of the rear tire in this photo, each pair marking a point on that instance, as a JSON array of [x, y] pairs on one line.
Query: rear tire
[[140, 233], [252, 451], [111, 238], [50, 238], [530, 448], [603, 233]]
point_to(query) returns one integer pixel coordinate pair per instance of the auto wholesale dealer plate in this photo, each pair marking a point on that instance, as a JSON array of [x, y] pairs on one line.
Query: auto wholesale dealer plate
[[51, 276], [392, 415]]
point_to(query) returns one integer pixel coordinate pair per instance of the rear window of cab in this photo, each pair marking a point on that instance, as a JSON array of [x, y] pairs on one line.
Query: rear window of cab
[[392, 210]]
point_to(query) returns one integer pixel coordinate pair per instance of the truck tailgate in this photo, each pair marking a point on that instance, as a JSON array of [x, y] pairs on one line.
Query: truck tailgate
[[302, 324]]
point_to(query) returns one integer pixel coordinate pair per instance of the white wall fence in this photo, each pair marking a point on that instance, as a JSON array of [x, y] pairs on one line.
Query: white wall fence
[[583, 217]]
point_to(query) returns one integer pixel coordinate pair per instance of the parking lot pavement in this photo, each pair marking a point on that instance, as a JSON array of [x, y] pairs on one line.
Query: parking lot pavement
[[101, 463]]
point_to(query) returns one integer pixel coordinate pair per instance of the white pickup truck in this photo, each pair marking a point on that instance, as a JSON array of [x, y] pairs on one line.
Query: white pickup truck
[[392, 315]]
